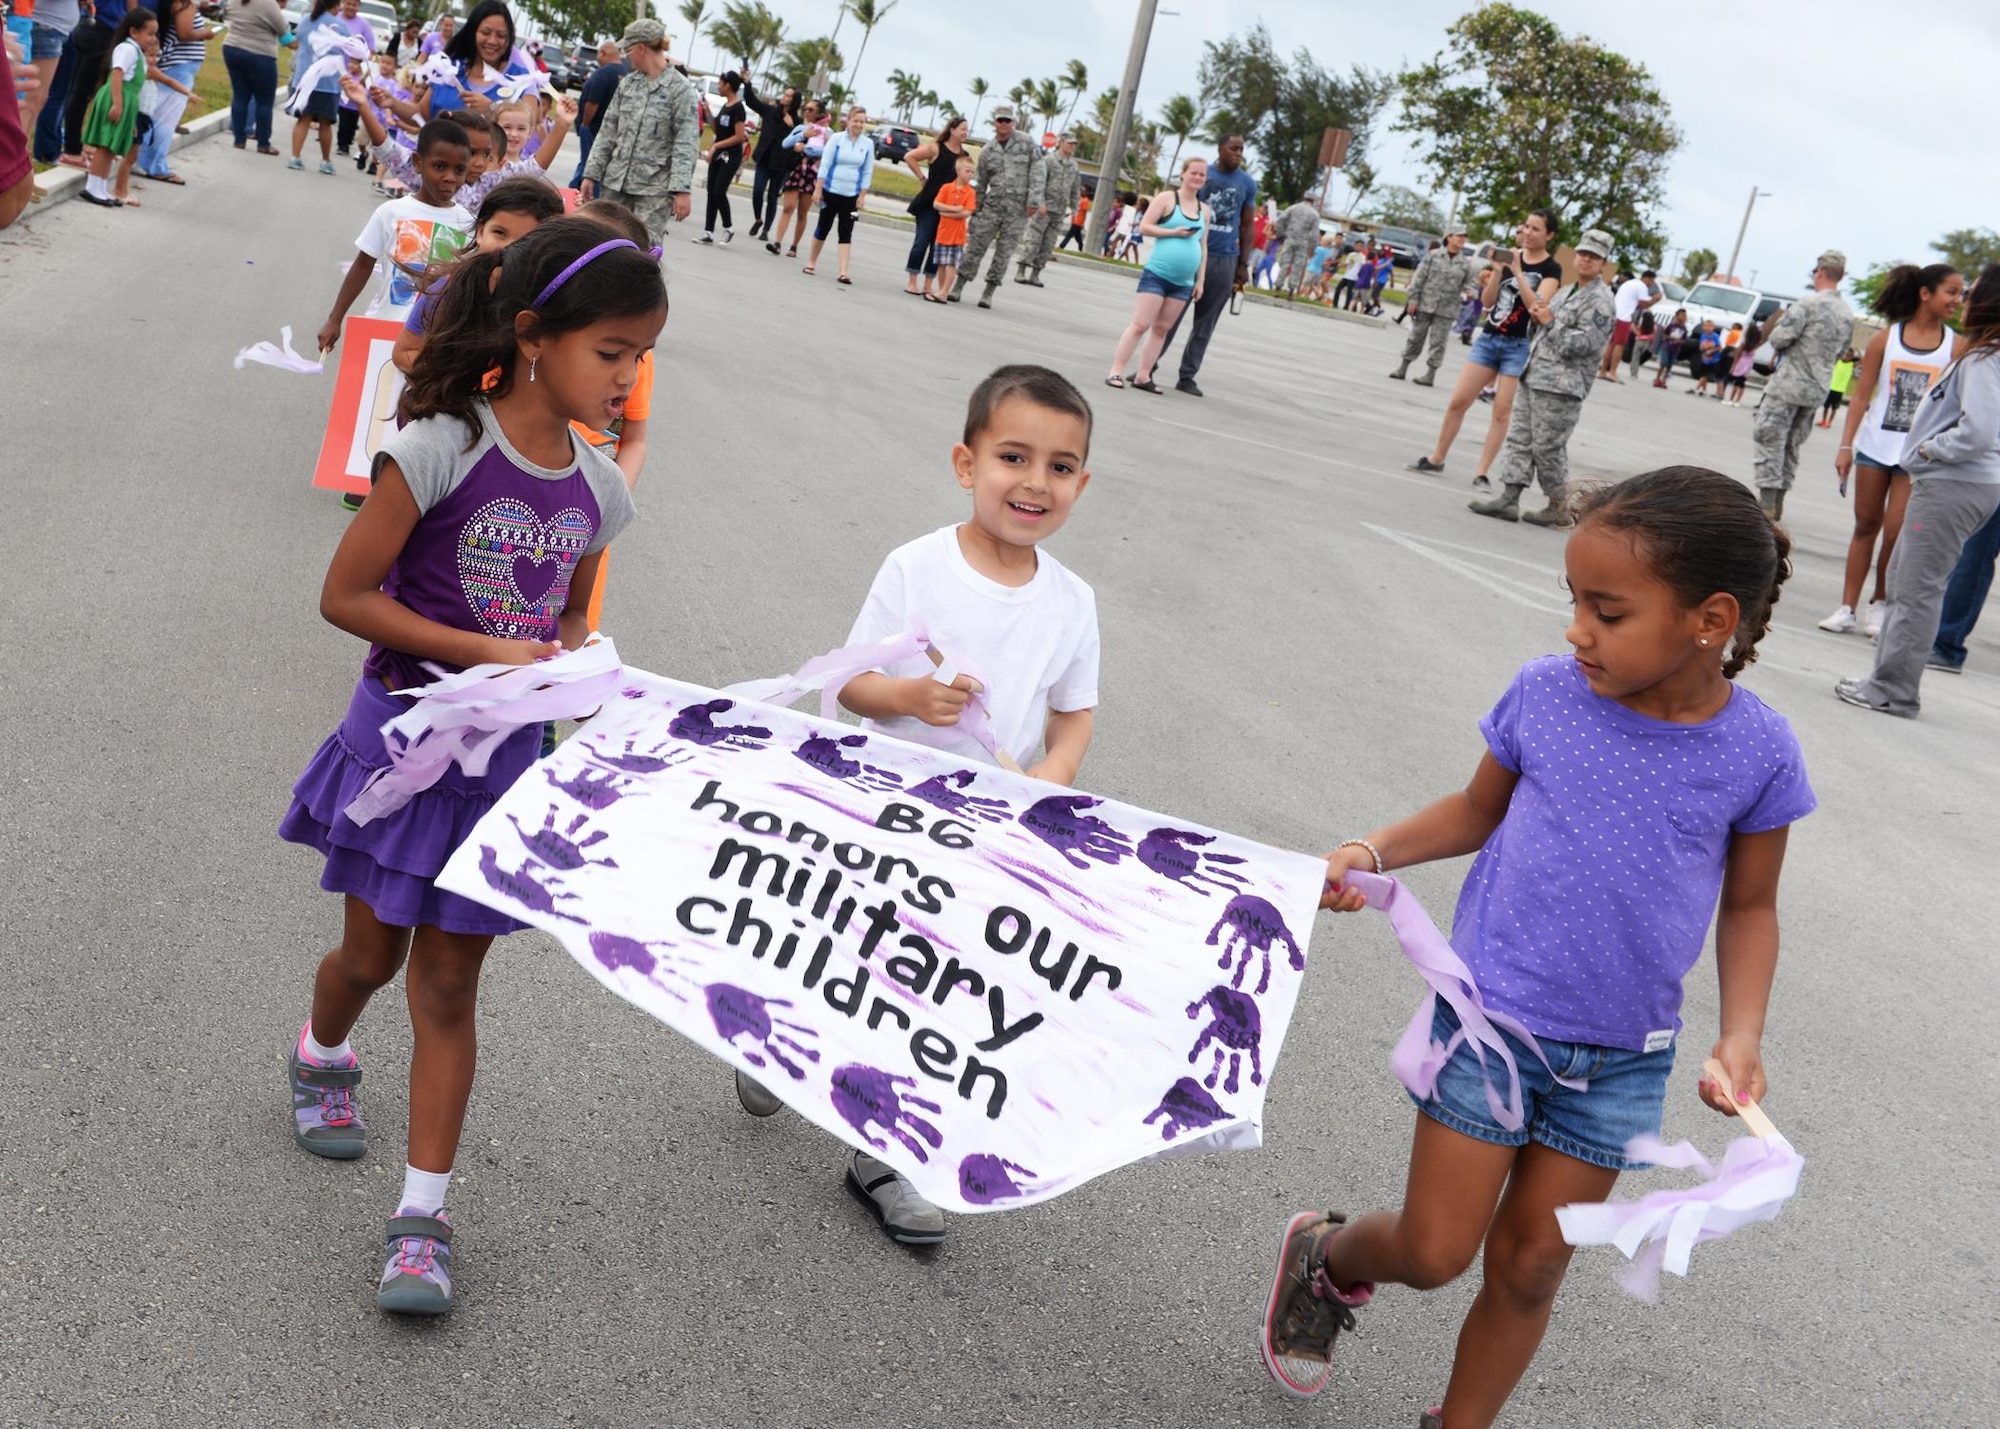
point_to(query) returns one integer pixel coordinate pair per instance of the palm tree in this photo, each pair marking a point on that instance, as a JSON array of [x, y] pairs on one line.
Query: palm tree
[[692, 12], [1018, 95], [799, 61], [1180, 116], [979, 89], [908, 91], [929, 101], [748, 30], [867, 14], [1046, 100], [1076, 79]]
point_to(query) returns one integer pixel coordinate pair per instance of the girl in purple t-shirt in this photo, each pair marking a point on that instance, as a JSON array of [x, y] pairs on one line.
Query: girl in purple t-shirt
[[1623, 790], [480, 544]]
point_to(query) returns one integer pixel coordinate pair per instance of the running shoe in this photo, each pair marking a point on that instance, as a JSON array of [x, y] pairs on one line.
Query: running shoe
[[416, 1280], [1871, 624], [1307, 1312], [325, 1119], [1841, 622]]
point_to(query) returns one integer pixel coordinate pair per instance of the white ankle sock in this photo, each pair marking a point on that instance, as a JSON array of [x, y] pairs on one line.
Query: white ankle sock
[[319, 1052], [96, 187], [424, 1191]]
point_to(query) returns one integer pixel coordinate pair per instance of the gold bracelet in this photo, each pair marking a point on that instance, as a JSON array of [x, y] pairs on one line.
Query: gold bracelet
[[1373, 852]]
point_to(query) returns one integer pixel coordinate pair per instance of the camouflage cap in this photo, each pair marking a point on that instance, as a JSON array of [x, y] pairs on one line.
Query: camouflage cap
[[1068, 136], [1002, 111], [643, 32], [1597, 243], [1832, 261], [1454, 229]]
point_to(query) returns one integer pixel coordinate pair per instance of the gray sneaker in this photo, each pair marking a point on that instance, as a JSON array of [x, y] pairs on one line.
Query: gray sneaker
[[416, 1280], [1938, 662], [755, 1096], [1849, 692], [905, 1216], [325, 1119]]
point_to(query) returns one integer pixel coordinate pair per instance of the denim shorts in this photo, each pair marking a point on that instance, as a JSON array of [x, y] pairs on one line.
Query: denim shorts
[[322, 105], [1151, 282], [1507, 356], [1625, 1098], [1863, 459], [45, 42]]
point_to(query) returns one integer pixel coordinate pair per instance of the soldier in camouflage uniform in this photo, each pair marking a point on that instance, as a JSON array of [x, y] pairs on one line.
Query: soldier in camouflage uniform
[[1436, 293], [1561, 373], [1811, 335], [1298, 226], [1010, 181], [643, 155], [1062, 187]]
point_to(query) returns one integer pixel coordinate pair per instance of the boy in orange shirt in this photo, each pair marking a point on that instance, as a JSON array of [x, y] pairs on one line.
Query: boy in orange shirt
[[954, 203], [627, 445]]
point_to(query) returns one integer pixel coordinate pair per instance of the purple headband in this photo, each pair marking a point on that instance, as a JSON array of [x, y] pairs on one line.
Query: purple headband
[[578, 266]]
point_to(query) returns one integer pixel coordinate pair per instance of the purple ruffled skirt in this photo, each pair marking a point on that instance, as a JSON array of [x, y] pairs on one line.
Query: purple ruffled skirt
[[389, 864]]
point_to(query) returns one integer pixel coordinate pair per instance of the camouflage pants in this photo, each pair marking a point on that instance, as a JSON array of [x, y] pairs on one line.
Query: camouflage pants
[[1432, 327], [997, 227], [1537, 446], [1292, 260], [1044, 231], [656, 211], [1779, 432]]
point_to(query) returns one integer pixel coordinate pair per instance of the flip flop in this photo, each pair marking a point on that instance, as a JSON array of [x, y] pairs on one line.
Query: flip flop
[[933, 298], [168, 178], [267, 149], [807, 271], [843, 278], [126, 202], [1149, 385]]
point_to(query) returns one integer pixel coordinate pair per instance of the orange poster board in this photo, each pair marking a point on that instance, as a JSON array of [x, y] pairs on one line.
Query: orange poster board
[[364, 405]]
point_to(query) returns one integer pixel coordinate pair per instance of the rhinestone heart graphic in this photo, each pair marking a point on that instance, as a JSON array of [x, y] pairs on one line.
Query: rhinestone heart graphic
[[515, 567]]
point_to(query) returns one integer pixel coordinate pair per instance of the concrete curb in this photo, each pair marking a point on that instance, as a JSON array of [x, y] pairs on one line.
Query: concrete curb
[[63, 182]]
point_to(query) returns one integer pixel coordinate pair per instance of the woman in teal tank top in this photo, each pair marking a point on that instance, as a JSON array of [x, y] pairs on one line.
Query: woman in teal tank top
[[1177, 222]]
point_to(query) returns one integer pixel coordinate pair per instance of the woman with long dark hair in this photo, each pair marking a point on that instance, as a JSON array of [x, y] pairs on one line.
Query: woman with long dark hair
[[484, 50], [1952, 454], [1901, 363], [772, 161], [942, 154], [807, 142]]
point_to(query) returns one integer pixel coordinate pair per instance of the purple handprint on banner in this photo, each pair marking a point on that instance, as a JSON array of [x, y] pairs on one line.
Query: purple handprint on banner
[[696, 724], [1175, 855], [522, 887], [862, 1095], [822, 752], [737, 1011], [560, 850], [615, 951], [1254, 926], [595, 791], [633, 760], [1059, 821], [984, 1179], [1237, 1029], [1185, 1106], [946, 792]]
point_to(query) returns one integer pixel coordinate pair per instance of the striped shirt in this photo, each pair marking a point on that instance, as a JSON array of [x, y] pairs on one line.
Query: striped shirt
[[174, 50]]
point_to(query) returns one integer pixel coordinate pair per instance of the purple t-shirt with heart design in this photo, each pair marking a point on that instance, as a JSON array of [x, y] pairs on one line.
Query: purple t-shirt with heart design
[[497, 538], [1591, 901]]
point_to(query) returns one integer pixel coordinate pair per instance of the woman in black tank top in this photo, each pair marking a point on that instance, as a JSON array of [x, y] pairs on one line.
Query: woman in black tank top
[[941, 154]]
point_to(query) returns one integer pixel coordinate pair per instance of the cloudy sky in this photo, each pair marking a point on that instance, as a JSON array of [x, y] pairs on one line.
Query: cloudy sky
[[1793, 96]]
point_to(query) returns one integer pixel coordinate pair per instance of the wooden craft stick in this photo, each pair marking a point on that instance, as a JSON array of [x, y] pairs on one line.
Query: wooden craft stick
[[1006, 760], [1752, 1114]]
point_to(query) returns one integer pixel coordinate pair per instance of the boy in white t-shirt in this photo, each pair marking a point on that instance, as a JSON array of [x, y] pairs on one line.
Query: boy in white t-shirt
[[1017, 623], [417, 231]]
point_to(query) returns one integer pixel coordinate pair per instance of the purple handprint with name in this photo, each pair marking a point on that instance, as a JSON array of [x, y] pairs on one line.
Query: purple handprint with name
[[1061, 823], [984, 1179], [634, 760], [614, 951], [1176, 856], [522, 887], [1237, 1029], [1254, 928], [823, 753], [865, 1096], [561, 850], [696, 724], [1185, 1107], [738, 1012], [594, 790], [946, 792]]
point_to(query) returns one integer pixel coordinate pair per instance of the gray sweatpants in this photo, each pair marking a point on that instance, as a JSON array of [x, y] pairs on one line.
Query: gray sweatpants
[[1943, 515]]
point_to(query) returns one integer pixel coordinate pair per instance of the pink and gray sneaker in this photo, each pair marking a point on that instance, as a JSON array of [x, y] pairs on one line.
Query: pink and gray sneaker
[[1307, 1310], [325, 1119], [417, 1277]]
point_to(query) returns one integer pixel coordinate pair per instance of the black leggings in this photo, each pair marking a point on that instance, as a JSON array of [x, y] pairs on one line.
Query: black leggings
[[721, 174], [768, 188], [1833, 401], [836, 208]]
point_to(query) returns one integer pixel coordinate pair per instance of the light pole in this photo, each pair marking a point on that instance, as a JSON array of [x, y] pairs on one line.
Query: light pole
[[1113, 158], [1744, 228]]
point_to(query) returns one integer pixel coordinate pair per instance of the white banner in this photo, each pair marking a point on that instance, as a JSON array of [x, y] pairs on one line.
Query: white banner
[[999, 986]]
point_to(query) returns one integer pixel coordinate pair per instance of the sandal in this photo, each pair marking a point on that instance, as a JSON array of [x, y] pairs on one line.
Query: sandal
[[1149, 385], [267, 149], [166, 178], [1114, 380], [793, 251], [843, 278], [933, 298], [807, 271]]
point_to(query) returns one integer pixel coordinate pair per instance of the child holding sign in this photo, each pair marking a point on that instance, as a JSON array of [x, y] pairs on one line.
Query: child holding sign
[[1020, 626], [1622, 790], [479, 544]]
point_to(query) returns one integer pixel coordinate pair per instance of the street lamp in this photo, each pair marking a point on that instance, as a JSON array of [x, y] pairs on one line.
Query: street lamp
[[1113, 158], [1737, 251]]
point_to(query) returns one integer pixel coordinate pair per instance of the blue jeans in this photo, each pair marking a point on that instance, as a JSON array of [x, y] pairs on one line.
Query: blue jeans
[[922, 257], [48, 134], [1965, 594], [159, 140], [253, 90], [583, 139]]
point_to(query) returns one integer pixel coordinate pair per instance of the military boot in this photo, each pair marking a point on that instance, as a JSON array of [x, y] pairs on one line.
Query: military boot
[[1035, 277], [1429, 379], [1506, 506], [1021, 273], [1555, 514], [986, 297], [956, 289], [1772, 499], [1401, 372]]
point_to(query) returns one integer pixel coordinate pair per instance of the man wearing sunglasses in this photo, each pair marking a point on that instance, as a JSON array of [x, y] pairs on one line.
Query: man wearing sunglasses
[[1010, 179]]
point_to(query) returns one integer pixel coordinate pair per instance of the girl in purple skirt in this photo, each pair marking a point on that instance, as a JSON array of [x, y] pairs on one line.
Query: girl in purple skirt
[[480, 543]]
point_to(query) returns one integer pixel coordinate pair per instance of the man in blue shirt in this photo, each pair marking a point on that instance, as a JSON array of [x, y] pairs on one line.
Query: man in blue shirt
[[1231, 196], [591, 99]]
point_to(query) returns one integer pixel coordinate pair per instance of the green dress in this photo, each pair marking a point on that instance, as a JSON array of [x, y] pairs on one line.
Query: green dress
[[98, 130]]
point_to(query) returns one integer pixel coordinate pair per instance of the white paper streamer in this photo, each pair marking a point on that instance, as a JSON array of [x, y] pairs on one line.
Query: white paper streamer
[[533, 82], [435, 71], [333, 55], [284, 357]]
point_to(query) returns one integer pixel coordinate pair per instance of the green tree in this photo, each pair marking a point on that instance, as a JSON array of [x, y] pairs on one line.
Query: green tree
[[1404, 208], [1699, 263], [979, 89], [800, 60], [1969, 249], [903, 90], [1520, 116], [1180, 116], [1075, 78], [582, 20], [693, 11], [747, 30], [1142, 156], [1045, 98], [1281, 107], [867, 14]]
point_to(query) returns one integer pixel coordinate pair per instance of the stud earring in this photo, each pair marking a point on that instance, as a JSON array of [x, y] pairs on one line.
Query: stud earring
[[531, 377]]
